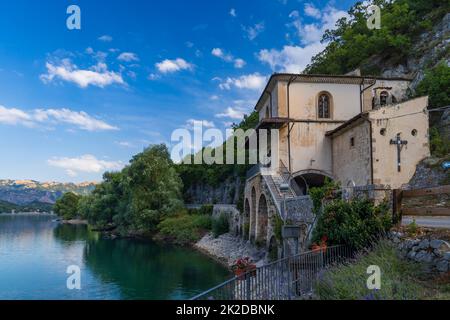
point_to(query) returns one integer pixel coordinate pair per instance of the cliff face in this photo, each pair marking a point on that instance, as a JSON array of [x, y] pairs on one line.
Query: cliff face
[[227, 192], [27, 191], [429, 49]]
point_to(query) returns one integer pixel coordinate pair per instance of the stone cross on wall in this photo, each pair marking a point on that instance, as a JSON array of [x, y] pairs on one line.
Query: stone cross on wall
[[399, 143]]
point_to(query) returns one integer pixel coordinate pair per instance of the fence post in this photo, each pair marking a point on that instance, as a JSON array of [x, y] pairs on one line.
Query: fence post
[[397, 207]]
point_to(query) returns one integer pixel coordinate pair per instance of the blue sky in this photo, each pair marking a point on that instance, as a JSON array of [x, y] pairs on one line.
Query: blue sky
[[74, 103]]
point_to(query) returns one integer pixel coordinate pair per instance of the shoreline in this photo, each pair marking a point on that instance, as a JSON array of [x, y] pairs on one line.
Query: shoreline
[[32, 213]]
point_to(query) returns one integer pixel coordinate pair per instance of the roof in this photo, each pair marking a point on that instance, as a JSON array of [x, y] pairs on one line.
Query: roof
[[347, 123], [322, 78]]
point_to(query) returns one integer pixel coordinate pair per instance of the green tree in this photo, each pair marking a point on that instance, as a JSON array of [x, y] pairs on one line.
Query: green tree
[[67, 206], [436, 84]]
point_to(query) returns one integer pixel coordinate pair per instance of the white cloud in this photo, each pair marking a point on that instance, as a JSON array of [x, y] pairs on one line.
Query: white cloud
[[252, 32], [98, 75], [214, 97], [193, 123], [228, 57], [239, 63], [128, 57], [294, 14], [153, 76], [232, 113], [80, 119], [85, 163], [170, 66], [253, 81], [13, 116], [311, 11], [233, 12], [219, 53], [125, 144], [105, 38], [313, 32], [293, 58]]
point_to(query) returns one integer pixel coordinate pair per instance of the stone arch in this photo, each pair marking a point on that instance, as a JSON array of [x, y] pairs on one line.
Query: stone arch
[[262, 219], [307, 179], [252, 232], [246, 220]]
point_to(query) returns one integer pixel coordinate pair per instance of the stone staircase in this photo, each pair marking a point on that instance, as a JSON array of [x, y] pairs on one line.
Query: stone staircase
[[274, 183]]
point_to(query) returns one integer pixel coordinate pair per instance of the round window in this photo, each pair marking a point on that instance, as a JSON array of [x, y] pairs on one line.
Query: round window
[[383, 132], [414, 132]]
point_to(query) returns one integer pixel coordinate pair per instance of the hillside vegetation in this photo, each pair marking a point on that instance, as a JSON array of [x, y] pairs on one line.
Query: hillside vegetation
[[353, 45]]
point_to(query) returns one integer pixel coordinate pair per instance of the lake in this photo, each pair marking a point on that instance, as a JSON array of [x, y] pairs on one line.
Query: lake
[[35, 252]]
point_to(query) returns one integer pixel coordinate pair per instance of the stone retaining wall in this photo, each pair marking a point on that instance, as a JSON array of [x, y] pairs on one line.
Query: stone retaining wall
[[434, 252]]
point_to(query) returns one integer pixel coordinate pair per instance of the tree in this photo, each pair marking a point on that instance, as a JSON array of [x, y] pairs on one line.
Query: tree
[[66, 207], [436, 84]]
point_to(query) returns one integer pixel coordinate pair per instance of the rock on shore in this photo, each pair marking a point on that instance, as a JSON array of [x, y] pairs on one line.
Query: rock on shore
[[228, 248]]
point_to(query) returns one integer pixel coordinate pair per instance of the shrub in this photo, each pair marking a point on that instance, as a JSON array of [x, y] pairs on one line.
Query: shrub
[[348, 282], [356, 223], [412, 228], [220, 225], [439, 147], [436, 84], [184, 229]]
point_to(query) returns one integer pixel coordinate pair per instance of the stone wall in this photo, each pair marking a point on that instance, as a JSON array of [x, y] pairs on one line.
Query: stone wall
[[434, 252]]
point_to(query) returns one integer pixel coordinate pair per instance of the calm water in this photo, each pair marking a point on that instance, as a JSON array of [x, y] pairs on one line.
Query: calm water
[[35, 253]]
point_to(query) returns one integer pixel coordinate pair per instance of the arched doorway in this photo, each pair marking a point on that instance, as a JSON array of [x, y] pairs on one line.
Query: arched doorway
[[253, 216], [307, 179], [246, 220], [263, 219]]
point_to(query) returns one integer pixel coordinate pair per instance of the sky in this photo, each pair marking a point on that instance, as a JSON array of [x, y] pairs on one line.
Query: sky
[[76, 103]]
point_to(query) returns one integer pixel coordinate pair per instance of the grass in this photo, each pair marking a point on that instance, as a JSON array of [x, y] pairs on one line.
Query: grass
[[184, 229], [400, 279]]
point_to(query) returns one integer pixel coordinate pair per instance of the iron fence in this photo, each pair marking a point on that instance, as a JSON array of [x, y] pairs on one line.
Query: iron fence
[[286, 279]]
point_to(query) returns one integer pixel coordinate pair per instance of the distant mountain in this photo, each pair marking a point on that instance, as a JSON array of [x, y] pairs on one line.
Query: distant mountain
[[23, 192]]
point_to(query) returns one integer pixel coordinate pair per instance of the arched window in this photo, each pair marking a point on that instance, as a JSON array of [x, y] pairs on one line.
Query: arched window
[[324, 106], [383, 98]]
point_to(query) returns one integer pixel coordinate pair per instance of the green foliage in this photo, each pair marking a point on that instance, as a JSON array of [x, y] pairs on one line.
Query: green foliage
[[206, 209], [356, 223], [215, 174], [184, 229], [439, 147], [67, 206], [278, 226], [138, 197], [34, 206], [352, 44], [348, 282], [436, 84], [220, 225], [318, 194], [412, 228]]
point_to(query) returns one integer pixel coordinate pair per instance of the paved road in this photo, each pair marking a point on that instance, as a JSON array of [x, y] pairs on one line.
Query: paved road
[[430, 222]]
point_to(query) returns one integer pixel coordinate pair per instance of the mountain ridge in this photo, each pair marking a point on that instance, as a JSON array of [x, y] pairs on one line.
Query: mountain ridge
[[22, 192]]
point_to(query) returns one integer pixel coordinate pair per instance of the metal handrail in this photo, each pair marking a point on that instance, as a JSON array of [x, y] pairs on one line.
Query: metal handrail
[[284, 279]]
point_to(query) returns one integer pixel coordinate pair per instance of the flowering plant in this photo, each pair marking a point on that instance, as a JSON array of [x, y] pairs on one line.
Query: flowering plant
[[322, 246], [242, 266]]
